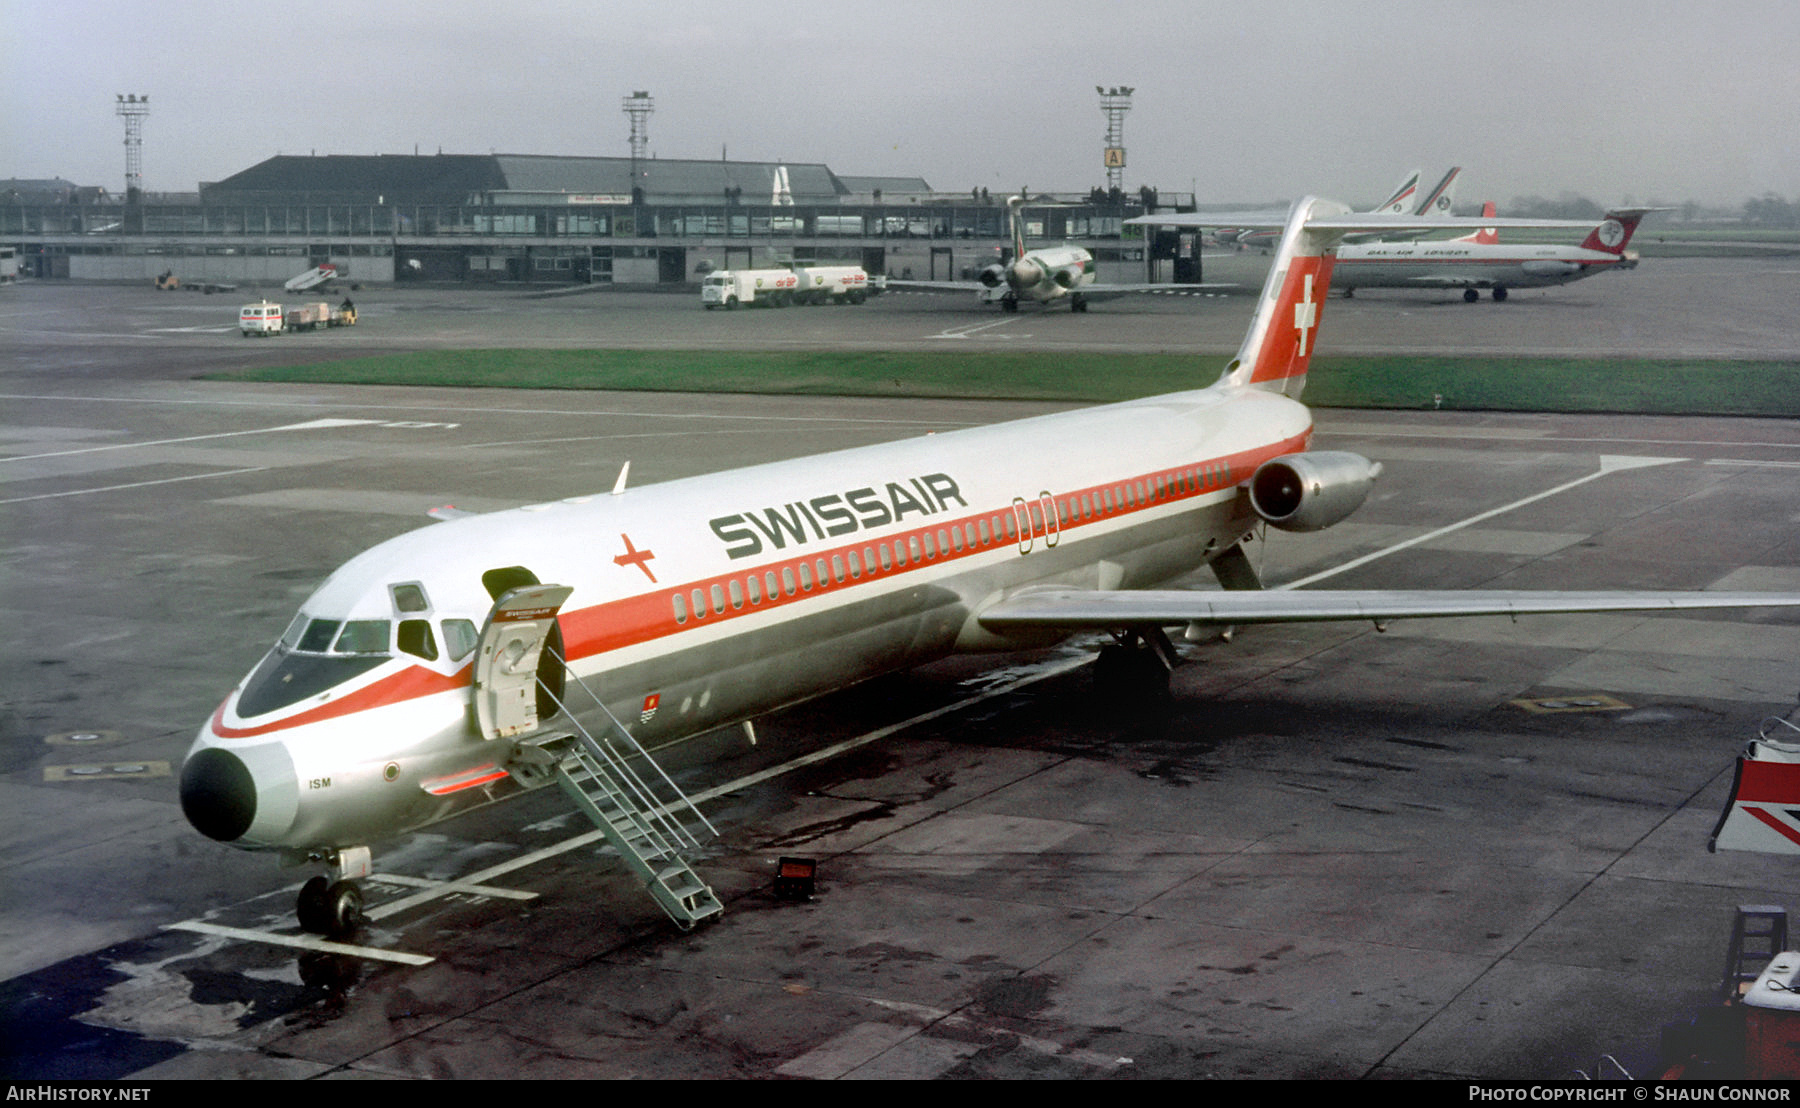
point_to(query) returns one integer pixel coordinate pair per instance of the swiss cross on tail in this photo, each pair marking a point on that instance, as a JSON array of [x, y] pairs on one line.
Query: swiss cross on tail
[[1287, 346], [1306, 317]]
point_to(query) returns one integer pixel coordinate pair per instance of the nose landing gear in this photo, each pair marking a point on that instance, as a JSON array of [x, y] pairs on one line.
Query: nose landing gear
[[333, 909], [333, 905]]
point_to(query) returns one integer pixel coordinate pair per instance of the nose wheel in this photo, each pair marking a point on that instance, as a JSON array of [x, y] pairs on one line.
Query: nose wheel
[[330, 908]]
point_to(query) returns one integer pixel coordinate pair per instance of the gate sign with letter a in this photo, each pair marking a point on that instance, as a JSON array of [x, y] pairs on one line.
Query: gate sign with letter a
[[506, 665]]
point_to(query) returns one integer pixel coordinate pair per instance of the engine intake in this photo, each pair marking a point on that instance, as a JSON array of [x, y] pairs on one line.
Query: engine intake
[[1311, 491], [992, 276]]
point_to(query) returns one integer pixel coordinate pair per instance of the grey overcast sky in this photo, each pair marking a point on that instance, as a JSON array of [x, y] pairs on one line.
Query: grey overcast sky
[[1242, 101]]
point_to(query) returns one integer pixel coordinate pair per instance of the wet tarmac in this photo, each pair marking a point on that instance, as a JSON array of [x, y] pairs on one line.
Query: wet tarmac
[[1458, 848]]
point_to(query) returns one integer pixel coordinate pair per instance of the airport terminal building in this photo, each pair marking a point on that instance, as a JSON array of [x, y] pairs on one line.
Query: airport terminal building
[[540, 220]]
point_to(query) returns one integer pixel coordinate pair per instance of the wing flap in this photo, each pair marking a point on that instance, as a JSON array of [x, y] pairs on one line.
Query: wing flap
[[1077, 609]]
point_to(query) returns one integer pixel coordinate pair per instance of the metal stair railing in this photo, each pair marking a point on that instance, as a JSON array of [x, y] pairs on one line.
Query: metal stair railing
[[643, 791], [633, 818]]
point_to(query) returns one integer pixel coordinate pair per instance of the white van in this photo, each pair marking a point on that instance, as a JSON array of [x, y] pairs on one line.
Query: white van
[[261, 318]]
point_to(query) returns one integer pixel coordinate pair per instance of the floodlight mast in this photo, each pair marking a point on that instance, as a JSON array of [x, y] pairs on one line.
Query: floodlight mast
[[1114, 103], [132, 109], [638, 107]]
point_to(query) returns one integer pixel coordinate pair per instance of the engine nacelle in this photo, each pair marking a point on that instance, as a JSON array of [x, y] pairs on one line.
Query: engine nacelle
[[992, 276], [1068, 276], [1024, 274], [1311, 491], [1550, 267]]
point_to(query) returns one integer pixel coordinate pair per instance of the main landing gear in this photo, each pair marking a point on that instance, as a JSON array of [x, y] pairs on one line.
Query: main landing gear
[[333, 905], [1133, 673]]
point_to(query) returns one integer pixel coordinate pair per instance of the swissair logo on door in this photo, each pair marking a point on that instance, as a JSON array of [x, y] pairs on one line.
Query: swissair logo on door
[[636, 557]]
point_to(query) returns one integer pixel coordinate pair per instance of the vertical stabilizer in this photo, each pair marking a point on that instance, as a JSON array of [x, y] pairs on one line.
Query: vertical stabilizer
[[1615, 230], [1015, 215], [1441, 199], [1487, 236], [1403, 198], [1280, 343]]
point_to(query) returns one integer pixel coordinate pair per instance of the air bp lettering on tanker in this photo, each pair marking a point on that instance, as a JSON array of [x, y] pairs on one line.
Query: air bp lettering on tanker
[[818, 518]]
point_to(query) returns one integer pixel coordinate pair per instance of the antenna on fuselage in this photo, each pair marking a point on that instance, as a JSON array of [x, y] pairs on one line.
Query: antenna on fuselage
[[619, 485]]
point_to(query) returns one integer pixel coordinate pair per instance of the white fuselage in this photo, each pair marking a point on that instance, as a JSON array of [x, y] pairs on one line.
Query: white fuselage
[[1458, 264], [1045, 275], [705, 601]]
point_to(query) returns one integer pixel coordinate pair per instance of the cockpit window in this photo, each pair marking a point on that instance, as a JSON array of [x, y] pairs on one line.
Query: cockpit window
[[460, 637], [415, 638], [316, 639], [410, 598], [364, 636]]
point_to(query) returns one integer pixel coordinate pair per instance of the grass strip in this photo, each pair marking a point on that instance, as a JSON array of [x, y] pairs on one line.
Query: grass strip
[[1522, 384]]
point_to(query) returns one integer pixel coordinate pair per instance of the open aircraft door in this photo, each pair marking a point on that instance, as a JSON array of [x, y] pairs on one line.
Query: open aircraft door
[[521, 640]]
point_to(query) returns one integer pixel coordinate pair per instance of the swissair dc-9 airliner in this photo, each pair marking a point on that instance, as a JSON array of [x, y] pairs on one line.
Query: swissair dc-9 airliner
[[555, 643]]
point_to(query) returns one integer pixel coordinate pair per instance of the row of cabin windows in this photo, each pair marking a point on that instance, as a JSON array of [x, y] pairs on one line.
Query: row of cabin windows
[[802, 576]]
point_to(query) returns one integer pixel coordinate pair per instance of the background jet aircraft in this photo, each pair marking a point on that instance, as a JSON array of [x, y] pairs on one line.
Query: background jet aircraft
[[448, 667], [1479, 261], [1040, 276], [1484, 262], [1406, 200]]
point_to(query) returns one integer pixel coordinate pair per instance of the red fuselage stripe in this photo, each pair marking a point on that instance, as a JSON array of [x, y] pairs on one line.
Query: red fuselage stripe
[[647, 617]]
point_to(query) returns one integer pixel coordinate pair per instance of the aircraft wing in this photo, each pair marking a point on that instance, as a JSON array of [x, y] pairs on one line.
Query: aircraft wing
[[1353, 222], [1079, 609], [1107, 292], [909, 285], [1091, 292]]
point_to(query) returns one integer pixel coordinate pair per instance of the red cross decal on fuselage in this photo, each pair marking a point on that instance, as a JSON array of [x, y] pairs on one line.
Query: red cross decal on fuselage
[[636, 557]]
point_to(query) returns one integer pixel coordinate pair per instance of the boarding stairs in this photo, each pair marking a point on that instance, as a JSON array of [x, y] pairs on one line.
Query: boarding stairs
[[1758, 934], [643, 814]]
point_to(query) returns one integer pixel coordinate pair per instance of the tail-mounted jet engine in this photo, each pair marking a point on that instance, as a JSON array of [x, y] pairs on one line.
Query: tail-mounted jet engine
[[1024, 274], [1311, 491], [993, 276], [1068, 276]]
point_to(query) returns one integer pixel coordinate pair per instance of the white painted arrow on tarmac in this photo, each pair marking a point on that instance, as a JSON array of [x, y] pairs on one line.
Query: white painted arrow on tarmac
[[1609, 463], [309, 425], [965, 332]]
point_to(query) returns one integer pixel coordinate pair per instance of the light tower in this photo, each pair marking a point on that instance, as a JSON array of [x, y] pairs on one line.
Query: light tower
[[1114, 103], [133, 109], [638, 107]]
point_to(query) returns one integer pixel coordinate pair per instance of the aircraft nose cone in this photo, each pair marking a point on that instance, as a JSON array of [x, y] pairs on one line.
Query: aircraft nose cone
[[218, 795]]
